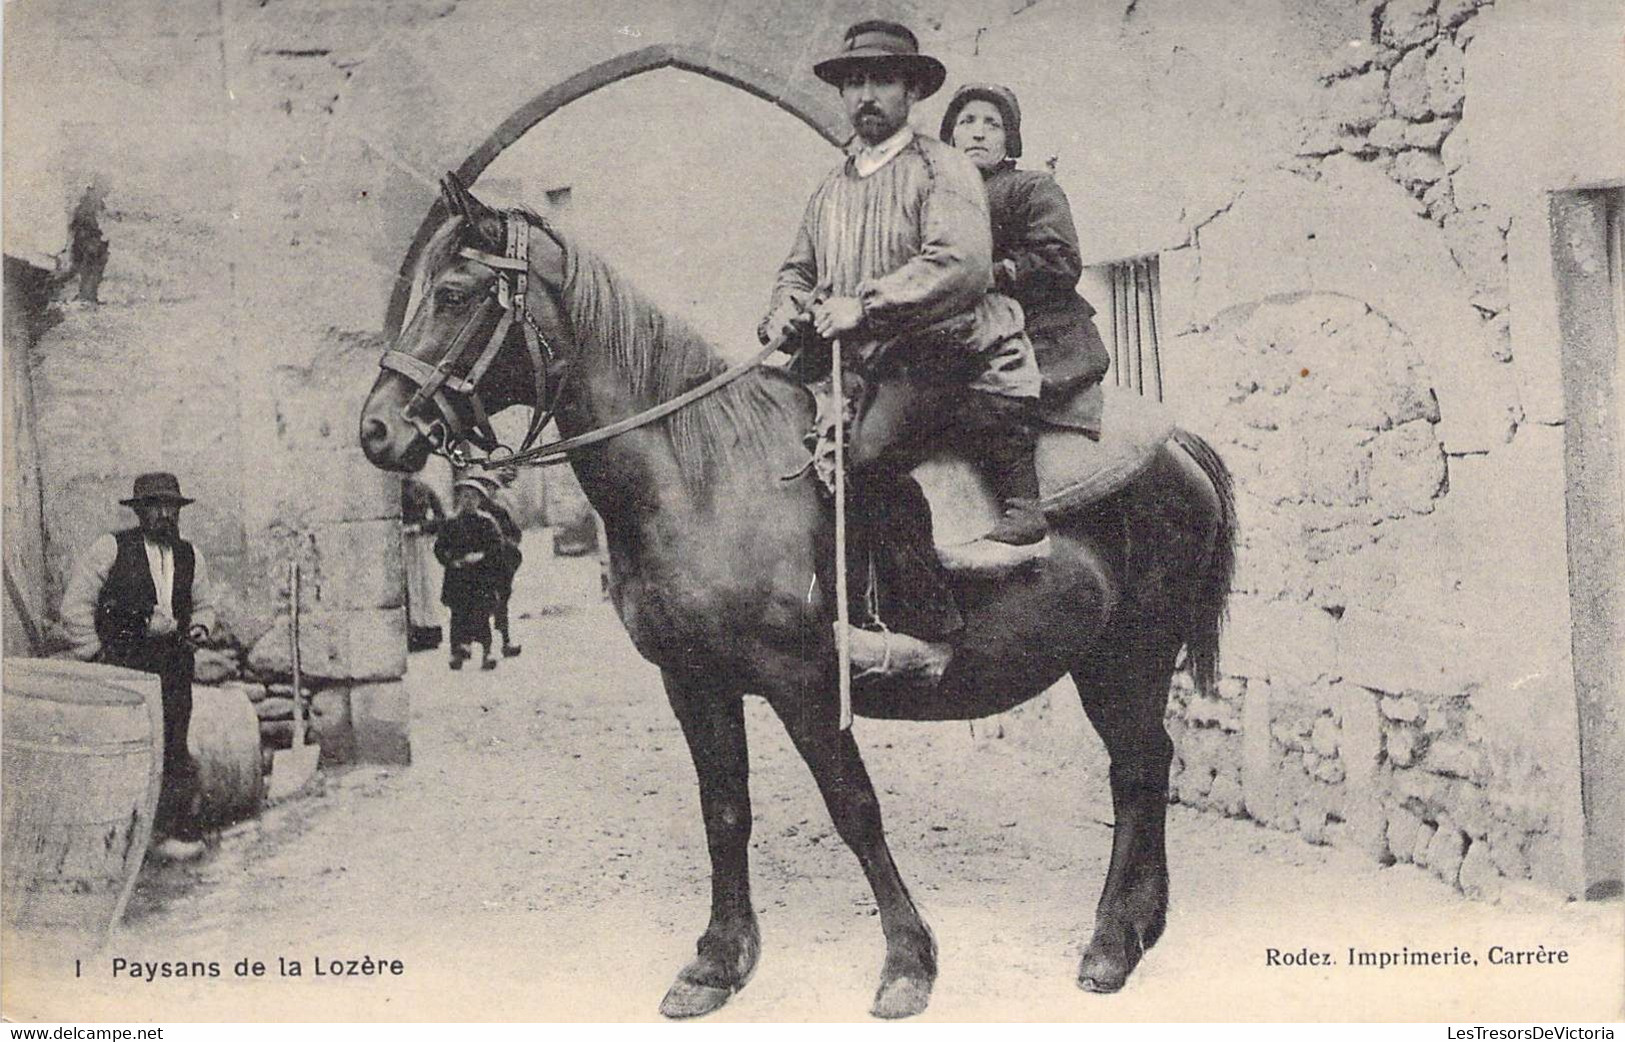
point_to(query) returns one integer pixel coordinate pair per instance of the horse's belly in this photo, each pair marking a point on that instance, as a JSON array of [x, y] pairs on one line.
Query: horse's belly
[[1021, 635]]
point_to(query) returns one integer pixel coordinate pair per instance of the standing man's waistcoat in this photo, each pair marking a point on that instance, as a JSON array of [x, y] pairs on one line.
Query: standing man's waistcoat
[[129, 595]]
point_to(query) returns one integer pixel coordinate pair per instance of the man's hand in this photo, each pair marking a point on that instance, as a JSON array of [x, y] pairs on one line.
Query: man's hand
[[161, 624], [1004, 276], [837, 315], [788, 319]]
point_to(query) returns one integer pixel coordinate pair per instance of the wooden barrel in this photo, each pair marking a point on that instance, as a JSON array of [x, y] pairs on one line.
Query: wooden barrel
[[224, 739], [82, 762]]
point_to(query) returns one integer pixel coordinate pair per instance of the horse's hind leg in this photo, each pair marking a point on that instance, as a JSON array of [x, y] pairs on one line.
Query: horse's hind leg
[[910, 969], [1125, 693], [713, 723]]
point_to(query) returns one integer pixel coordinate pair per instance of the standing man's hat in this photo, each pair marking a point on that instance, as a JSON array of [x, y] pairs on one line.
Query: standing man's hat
[[869, 43], [158, 486], [1001, 98]]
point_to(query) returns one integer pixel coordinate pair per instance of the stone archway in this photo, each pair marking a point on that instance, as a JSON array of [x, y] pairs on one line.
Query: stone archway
[[816, 110]]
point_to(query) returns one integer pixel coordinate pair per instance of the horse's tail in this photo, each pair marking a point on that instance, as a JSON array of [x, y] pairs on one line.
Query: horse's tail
[[1208, 606]]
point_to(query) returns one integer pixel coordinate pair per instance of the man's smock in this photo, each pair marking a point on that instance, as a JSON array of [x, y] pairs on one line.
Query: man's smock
[[911, 241]]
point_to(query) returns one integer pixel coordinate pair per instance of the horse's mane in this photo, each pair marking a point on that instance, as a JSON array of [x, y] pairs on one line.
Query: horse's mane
[[660, 357]]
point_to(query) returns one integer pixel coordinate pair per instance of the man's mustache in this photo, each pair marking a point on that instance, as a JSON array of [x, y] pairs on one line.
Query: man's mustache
[[869, 110]]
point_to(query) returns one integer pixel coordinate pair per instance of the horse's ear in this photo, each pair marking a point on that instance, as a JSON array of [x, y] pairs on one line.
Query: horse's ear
[[451, 195], [487, 223]]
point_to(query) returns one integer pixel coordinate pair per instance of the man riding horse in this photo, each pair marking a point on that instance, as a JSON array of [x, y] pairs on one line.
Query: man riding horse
[[894, 259]]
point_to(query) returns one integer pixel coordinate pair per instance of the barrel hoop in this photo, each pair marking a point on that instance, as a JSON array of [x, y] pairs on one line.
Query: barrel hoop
[[81, 748], [106, 695]]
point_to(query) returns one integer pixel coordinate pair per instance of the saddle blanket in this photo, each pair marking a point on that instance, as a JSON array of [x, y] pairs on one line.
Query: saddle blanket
[[1074, 470]]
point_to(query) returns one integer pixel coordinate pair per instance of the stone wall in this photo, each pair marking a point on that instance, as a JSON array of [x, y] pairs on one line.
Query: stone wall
[[1349, 205]]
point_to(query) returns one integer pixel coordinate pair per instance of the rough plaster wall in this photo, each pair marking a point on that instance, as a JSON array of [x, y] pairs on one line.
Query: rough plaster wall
[[1349, 205]]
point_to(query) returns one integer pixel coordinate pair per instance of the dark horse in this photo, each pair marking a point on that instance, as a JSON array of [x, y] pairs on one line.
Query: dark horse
[[716, 562]]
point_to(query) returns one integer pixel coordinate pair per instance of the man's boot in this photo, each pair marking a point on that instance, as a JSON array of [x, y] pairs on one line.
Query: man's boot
[[1022, 534], [896, 654]]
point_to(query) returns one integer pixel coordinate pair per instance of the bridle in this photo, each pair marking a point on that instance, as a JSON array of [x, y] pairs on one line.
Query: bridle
[[447, 434], [450, 437]]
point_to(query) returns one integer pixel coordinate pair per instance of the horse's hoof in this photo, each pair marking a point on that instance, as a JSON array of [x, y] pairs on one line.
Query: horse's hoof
[[690, 999], [901, 997], [512, 651], [1104, 972], [1100, 984]]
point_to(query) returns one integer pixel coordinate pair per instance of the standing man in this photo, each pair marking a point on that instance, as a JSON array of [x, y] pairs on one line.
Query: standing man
[[895, 243], [141, 598]]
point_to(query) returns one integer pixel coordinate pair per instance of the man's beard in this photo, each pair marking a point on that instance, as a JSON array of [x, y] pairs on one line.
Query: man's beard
[[166, 532], [862, 123]]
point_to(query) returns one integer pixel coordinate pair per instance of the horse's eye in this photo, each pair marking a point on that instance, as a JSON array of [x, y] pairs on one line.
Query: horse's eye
[[447, 297]]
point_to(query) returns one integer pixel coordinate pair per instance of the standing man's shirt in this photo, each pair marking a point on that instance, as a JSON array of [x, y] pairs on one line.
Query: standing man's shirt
[[90, 575]]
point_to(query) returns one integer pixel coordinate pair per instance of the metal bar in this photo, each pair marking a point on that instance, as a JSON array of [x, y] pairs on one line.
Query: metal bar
[[1138, 331], [843, 640], [1153, 289]]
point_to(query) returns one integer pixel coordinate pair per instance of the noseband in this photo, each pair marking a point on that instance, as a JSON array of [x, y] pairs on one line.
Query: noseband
[[442, 426]]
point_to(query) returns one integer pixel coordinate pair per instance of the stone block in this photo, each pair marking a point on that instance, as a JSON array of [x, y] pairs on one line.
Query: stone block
[[337, 645], [214, 665], [1428, 135], [1401, 746], [1291, 643], [1429, 790], [1408, 86], [1226, 794], [1452, 13], [1355, 103], [1330, 771], [1408, 23], [1480, 248], [1425, 832], [380, 717], [1324, 738], [1388, 135], [1440, 199], [1445, 850], [1446, 79], [1478, 876], [1407, 471], [1506, 852], [330, 709], [274, 708], [1454, 759], [1257, 756], [1471, 810], [359, 565], [1401, 833], [1401, 653], [1417, 170]]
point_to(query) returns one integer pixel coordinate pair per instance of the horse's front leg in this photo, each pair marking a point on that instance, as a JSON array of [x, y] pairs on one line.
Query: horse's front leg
[[910, 969], [713, 722]]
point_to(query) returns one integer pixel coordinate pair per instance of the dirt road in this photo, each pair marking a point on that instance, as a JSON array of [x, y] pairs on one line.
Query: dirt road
[[543, 859]]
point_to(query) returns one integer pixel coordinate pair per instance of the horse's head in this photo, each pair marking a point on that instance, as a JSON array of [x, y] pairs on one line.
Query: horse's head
[[485, 332]]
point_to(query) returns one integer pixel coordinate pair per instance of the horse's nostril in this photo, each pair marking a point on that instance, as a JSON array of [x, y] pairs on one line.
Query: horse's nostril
[[374, 430]]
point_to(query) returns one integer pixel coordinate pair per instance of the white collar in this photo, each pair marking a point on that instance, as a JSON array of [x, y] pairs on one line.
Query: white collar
[[866, 159]]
